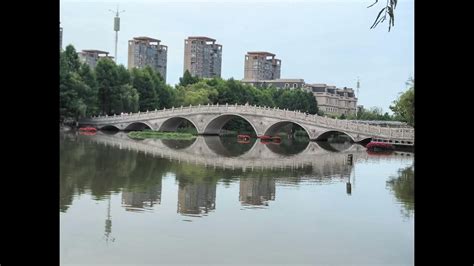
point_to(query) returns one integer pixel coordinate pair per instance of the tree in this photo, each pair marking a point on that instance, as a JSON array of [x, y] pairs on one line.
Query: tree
[[107, 81], [163, 92], [89, 93], [77, 95], [127, 99], [187, 79], [194, 94], [143, 81], [404, 106], [389, 10], [123, 75], [71, 59]]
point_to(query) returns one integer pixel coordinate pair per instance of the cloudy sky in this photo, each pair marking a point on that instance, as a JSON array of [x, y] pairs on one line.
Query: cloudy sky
[[321, 41]]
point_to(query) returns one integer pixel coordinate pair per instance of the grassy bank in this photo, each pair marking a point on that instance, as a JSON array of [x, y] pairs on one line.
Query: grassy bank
[[159, 135]]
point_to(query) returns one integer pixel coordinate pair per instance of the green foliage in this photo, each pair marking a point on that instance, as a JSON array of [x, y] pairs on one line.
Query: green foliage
[[153, 91], [123, 75], [90, 90], [295, 99], [108, 86], [145, 84], [387, 10], [71, 59], [374, 113], [195, 94], [187, 79], [404, 106], [77, 87]]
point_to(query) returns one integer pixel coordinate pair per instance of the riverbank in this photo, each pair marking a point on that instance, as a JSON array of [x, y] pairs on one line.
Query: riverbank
[[159, 135]]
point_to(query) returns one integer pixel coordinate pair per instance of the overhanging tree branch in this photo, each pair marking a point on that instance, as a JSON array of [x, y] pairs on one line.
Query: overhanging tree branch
[[389, 10]]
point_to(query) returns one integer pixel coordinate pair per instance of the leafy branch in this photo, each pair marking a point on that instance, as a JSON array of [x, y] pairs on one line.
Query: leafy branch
[[387, 10]]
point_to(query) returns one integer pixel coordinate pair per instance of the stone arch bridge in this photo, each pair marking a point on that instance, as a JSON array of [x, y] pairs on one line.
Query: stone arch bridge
[[209, 120]]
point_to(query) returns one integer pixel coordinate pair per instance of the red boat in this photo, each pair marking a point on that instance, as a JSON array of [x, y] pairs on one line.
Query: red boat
[[379, 147], [276, 139], [88, 129], [265, 137], [243, 137]]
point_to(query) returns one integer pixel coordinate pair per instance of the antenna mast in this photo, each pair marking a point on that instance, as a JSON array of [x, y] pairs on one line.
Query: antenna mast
[[116, 28]]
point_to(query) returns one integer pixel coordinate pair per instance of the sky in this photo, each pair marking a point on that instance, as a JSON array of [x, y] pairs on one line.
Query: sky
[[320, 41]]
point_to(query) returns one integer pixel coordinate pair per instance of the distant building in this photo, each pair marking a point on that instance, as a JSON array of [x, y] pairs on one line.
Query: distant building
[[91, 57], [202, 57], [278, 83], [60, 38], [334, 101], [261, 66], [146, 51]]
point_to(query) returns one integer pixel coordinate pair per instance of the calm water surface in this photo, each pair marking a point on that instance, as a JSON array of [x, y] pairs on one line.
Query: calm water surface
[[215, 201]]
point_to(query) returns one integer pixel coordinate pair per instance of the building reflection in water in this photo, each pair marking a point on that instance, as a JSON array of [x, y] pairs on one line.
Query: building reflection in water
[[196, 198], [140, 199], [256, 191]]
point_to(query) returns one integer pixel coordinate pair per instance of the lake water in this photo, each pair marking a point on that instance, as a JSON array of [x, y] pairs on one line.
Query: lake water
[[214, 201]]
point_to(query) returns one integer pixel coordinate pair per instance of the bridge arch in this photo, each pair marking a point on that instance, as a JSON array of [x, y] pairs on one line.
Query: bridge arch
[[172, 124], [214, 126], [273, 129], [137, 126], [109, 127], [334, 147], [324, 135]]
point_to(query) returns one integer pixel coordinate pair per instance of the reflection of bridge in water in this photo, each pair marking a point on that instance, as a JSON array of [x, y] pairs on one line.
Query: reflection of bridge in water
[[210, 152], [314, 163], [197, 197]]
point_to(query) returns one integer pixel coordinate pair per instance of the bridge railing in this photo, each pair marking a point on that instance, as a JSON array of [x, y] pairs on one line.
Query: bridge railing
[[336, 124]]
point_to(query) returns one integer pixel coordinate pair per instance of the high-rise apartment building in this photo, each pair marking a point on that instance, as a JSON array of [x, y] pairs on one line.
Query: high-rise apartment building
[[202, 57], [60, 38], [146, 51], [261, 66], [91, 57]]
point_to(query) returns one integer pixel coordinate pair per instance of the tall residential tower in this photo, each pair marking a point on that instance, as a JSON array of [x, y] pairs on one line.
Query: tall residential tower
[[202, 57], [261, 66], [146, 51]]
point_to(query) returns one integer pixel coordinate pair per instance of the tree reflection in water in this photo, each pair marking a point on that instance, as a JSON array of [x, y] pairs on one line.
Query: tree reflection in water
[[403, 187]]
